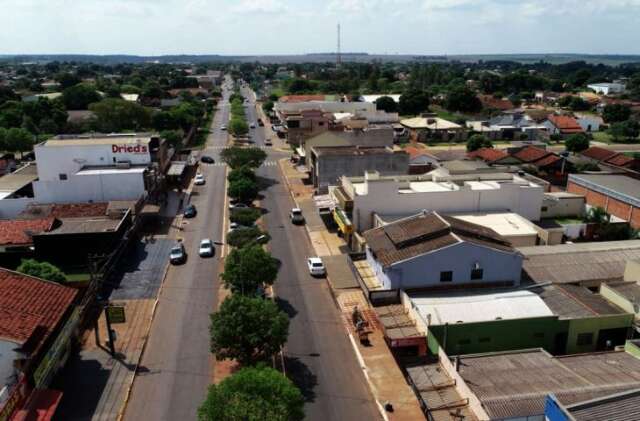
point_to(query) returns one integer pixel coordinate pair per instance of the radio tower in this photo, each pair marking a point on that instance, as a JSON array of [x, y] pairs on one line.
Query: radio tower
[[338, 56]]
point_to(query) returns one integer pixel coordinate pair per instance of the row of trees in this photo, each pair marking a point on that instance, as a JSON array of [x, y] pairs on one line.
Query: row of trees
[[247, 327], [238, 124]]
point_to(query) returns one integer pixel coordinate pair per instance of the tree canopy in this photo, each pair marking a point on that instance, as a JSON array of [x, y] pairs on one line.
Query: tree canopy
[[243, 189], [576, 143], [42, 270], [386, 103], [615, 113], [478, 141], [116, 115], [248, 268], [463, 99], [78, 97], [237, 157], [248, 329], [247, 235], [625, 131], [245, 216], [253, 394], [413, 102]]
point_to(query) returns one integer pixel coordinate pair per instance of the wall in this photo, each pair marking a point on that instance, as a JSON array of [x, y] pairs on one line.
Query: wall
[[383, 197], [611, 295], [53, 161], [329, 168], [97, 188], [424, 271], [7, 357], [632, 271], [500, 335], [594, 325], [326, 106], [10, 208], [612, 206], [553, 207]]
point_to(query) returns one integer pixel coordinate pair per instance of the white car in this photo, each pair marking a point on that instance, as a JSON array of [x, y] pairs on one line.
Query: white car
[[296, 216], [223, 127], [206, 248], [177, 254], [199, 179], [252, 125], [233, 226], [316, 267]]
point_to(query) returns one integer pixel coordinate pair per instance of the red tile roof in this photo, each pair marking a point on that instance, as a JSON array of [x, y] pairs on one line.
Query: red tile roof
[[531, 154], [16, 232], [547, 160], [599, 154], [488, 154], [415, 152], [78, 210], [488, 101], [620, 160], [31, 308], [565, 123], [301, 98]]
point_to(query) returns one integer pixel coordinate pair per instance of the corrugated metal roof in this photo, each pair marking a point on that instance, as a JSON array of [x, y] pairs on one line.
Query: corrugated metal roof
[[623, 406]]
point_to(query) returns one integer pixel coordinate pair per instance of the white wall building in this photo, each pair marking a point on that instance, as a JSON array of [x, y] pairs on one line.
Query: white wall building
[[325, 106], [99, 169], [606, 88], [402, 195]]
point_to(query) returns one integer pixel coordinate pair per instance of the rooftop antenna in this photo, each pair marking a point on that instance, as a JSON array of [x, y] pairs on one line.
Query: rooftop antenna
[[338, 56]]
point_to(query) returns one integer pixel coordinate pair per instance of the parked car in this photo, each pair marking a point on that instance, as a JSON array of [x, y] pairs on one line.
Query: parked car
[[296, 216], [206, 248], [316, 267], [190, 211], [207, 159], [267, 142], [260, 123], [223, 127], [252, 125], [199, 179], [238, 206], [177, 254]]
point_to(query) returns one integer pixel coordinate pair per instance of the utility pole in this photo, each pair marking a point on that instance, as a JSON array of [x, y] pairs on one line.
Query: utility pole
[[338, 57]]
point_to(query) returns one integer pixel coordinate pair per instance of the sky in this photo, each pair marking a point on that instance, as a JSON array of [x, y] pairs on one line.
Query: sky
[[265, 27]]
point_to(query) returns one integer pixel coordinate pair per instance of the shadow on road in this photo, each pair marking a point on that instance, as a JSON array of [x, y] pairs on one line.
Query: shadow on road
[[302, 377], [286, 306]]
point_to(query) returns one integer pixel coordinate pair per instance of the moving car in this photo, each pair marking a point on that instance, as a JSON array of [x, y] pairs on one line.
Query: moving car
[[260, 123], [223, 127], [296, 216], [207, 159], [206, 248], [316, 267], [177, 255], [252, 125], [190, 211], [267, 142], [199, 179]]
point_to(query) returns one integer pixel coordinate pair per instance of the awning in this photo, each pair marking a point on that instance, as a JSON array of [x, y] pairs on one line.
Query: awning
[[177, 168], [41, 406]]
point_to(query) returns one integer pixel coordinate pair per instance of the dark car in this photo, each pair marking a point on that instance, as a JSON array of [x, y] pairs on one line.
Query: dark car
[[207, 159], [190, 211]]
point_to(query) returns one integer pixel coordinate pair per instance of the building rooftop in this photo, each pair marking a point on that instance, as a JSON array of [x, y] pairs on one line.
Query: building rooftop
[[531, 154], [19, 232], [65, 210], [99, 139], [628, 290], [620, 187], [31, 308], [507, 224], [22, 177], [431, 123], [580, 262], [427, 232], [515, 384], [111, 170], [598, 153], [374, 98], [574, 302], [468, 307], [565, 123], [85, 225], [488, 154], [352, 150], [623, 406]]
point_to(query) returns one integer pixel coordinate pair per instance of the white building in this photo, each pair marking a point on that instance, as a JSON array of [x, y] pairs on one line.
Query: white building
[[99, 168], [325, 106], [433, 251], [606, 88], [402, 195]]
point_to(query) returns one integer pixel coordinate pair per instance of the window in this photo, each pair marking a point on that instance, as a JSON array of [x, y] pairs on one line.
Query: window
[[544, 209], [321, 123], [446, 276], [476, 274], [585, 339], [62, 176]]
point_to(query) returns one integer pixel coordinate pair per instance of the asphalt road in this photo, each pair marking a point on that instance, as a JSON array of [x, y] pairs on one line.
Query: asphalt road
[[318, 355], [175, 368]]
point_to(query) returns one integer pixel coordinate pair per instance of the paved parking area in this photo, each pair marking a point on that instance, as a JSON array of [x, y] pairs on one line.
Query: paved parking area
[[141, 270]]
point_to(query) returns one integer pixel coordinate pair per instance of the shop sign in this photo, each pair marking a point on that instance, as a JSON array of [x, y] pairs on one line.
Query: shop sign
[[135, 149], [52, 358], [343, 221], [116, 314]]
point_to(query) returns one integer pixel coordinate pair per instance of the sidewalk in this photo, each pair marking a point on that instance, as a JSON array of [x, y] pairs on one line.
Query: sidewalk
[[386, 380]]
